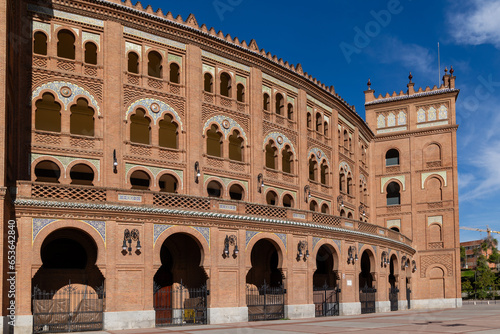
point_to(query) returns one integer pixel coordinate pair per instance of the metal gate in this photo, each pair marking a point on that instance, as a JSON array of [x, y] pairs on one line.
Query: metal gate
[[408, 296], [265, 303], [177, 305], [73, 308], [326, 301], [393, 298], [367, 299]]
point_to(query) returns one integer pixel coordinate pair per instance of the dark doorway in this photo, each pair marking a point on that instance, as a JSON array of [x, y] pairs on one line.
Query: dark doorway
[[367, 291], [325, 290]]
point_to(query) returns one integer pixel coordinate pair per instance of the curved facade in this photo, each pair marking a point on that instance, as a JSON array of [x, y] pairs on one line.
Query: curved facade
[[228, 168]]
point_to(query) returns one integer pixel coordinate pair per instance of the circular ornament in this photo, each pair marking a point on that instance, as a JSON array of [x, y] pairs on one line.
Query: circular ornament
[[280, 140], [66, 91], [318, 154], [155, 107], [226, 124]]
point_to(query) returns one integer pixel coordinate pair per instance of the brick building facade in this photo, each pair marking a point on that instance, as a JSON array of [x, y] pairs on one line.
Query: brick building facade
[[228, 167]]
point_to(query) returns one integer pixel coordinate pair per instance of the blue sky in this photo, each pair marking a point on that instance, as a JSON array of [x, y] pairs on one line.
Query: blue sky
[[401, 36]]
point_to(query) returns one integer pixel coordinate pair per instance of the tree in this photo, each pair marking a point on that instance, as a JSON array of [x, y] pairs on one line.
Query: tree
[[485, 281], [463, 256]]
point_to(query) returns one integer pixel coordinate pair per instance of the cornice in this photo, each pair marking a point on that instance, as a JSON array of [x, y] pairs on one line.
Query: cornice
[[416, 133], [199, 214]]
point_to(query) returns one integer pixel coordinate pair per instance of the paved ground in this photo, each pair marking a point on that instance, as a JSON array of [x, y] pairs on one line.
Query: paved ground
[[484, 319]]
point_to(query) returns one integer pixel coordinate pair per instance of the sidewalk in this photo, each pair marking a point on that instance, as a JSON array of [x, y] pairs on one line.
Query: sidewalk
[[471, 319]]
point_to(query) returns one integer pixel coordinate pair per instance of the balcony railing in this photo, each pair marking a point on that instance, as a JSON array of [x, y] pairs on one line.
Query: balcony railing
[[80, 194]]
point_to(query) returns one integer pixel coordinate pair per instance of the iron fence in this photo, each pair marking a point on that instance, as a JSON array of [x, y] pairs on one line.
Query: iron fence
[[265, 303], [367, 299], [326, 301]]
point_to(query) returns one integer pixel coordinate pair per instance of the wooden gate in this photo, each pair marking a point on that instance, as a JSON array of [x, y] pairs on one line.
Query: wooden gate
[[73, 308], [326, 301], [177, 305], [367, 299], [265, 303]]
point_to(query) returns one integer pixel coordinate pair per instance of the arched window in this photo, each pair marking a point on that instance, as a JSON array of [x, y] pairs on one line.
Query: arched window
[[346, 139], [393, 195], [140, 131], [395, 229], [47, 171], [434, 190], [319, 121], [140, 180], [392, 157], [81, 174], [313, 206], [214, 142], [133, 63], [325, 129], [40, 43], [349, 185], [288, 201], [214, 189], [240, 93], [280, 104], [175, 73], [363, 193], [91, 53], [48, 114], [82, 119], [287, 159], [271, 198], [325, 208], [324, 173], [313, 169], [168, 134], [266, 102], [225, 85], [168, 183], [290, 111], [363, 154], [236, 192], [342, 213], [271, 155], [236, 146], [349, 215], [309, 120], [66, 44], [208, 83], [155, 68]]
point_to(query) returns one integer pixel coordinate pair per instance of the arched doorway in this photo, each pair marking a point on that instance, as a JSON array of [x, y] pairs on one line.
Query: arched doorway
[[325, 290], [367, 291], [68, 289], [180, 291], [265, 291], [393, 288]]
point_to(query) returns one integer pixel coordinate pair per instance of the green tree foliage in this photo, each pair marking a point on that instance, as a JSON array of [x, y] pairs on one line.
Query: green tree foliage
[[485, 278]]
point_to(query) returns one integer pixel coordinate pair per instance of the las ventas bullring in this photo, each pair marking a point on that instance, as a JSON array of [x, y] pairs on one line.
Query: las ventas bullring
[[161, 173]]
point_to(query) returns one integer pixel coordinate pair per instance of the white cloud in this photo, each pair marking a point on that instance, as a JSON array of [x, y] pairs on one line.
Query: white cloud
[[487, 176], [476, 22], [413, 56]]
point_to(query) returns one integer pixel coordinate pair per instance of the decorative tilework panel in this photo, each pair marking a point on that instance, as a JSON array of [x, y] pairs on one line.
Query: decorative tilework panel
[[381, 121], [205, 232], [319, 103], [38, 224], [420, 115], [400, 128], [360, 245], [280, 191], [154, 38], [338, 243], [319, 154], [43, 27], [384, 180], [440, 173], [345, 167], [226, 125], [65, 15], [315, 242], [87, 36], [75, 90], [175, 58], [391, 120], [402, 118], [275, 136], [149, 105], [443, 112], [133, 47], [226, 61], [249, 236], [100, 227], [431, 114], [225, 180], [158, 229], [282, 238], [267, 90], [209, 69], [240, 79], [279, 83]]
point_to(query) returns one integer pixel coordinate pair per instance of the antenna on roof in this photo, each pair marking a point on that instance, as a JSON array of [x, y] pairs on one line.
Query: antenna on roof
[[439, 68]]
